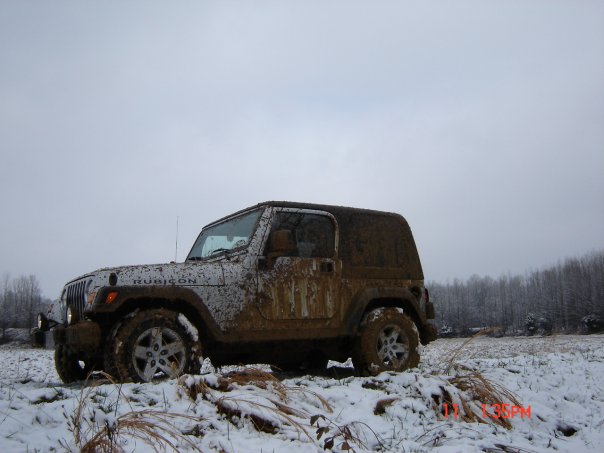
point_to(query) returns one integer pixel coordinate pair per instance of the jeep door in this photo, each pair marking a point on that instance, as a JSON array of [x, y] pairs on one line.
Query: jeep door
[[299, 278]]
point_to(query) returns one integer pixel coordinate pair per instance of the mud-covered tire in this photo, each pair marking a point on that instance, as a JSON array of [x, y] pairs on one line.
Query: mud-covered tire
[[388, 341], [109, 354], [150, 346], [69, 367]]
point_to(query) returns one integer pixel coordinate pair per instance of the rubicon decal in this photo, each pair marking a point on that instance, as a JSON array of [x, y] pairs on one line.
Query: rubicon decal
[[171, 281]]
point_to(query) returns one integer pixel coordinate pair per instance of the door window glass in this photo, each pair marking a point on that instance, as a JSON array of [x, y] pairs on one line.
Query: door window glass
[[313, 234]]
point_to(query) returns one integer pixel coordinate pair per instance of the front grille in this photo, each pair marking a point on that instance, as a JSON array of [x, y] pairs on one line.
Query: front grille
[[76, 297]]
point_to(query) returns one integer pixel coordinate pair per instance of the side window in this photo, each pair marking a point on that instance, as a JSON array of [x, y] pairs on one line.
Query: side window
[[313, 235], [375, 241]]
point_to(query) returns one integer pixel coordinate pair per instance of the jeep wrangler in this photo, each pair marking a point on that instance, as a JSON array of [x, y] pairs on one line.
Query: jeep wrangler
[[289, 284]]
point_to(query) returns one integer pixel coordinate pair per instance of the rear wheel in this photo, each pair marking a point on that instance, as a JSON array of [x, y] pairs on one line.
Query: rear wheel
[[150, 346], [388, 341]]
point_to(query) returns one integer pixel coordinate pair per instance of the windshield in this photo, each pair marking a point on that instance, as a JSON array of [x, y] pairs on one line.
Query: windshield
[[223, 237]]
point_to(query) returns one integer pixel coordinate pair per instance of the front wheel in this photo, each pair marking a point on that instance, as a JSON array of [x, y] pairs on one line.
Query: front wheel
[[388, 341], [153, 345], [69, 366]]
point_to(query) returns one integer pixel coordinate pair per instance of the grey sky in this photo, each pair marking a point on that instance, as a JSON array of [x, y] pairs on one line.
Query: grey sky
[[480, 121]]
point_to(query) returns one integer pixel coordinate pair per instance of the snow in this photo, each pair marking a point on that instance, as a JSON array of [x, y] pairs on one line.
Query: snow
[[190, 328], [559, 377]]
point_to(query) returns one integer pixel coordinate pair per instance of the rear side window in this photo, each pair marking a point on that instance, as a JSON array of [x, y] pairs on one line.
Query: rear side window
[[314, 234], [375, 241]]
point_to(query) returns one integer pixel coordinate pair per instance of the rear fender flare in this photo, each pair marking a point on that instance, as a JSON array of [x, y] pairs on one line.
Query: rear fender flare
[[372, 298]]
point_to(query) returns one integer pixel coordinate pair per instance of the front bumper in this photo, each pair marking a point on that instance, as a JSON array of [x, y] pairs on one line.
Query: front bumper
[[84, 336], [428, 333], [430, 312], [40, 338]]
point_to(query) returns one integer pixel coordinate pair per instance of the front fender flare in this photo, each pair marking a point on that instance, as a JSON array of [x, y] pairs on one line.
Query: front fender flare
[[169, 297]]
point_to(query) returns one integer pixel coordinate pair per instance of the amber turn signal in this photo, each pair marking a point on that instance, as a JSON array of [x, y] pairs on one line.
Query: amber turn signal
[[111, 297]]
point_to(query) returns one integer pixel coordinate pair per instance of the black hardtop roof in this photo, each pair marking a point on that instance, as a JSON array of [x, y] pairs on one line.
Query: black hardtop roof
[[406, 266], [336, 211], [325, 207]]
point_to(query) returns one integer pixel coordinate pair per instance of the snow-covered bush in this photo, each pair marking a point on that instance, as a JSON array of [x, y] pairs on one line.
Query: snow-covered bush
[[592, 323]]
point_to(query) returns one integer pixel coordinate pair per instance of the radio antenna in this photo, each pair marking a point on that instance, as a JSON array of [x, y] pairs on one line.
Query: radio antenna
[[176, 248]]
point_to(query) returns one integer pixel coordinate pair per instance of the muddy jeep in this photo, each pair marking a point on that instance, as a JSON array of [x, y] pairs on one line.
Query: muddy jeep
[[289, 284]]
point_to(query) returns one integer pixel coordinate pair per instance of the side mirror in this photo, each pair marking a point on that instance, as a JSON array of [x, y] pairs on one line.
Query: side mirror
[[281, 242]]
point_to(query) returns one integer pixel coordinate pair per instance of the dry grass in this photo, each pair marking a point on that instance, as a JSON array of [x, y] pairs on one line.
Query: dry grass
[[257, 378], [153, 428], [156, 429], [452, 360], [234, 379], [194, 387], [266, 418], [268, 412], [482, 391], [343, 437], [324, 403], [471, 389], [381, 405]]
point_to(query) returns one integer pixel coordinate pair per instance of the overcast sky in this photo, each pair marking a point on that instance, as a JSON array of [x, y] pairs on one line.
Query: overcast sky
[[482, 122]]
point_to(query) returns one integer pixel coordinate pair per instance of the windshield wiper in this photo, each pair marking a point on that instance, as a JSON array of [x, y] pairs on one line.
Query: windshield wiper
[[214, 252]]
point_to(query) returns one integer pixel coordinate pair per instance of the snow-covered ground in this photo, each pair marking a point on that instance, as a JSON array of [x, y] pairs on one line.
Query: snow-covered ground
[[560, 378]]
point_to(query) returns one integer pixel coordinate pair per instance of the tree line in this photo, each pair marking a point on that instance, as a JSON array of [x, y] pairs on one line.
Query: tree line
[[20, 302], [565, 298]]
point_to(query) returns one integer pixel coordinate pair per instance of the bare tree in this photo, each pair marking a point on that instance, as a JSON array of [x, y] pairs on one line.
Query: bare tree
[[560, 297], [20, 300], [5, 315], [27, 300]]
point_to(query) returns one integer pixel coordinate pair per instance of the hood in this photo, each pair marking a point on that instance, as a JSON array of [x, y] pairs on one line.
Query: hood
[[173, 274], [187, 274]]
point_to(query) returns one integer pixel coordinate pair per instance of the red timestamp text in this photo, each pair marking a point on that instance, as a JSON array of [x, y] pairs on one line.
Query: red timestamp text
[[491, 411], [454, 412], [505, 411]]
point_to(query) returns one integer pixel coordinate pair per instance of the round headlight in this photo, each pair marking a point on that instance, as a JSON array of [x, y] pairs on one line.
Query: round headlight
[[70, 317], [42, 321]]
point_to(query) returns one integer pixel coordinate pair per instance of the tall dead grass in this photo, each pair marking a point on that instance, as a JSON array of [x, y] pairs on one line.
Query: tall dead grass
[[451, 361], [344, 437], [153, 428], [268, 412], [109, 433], [475, 388]]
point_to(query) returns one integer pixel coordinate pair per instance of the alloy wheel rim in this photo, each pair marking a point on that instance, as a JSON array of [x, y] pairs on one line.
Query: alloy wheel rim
[[158, 351], [392, 346]]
